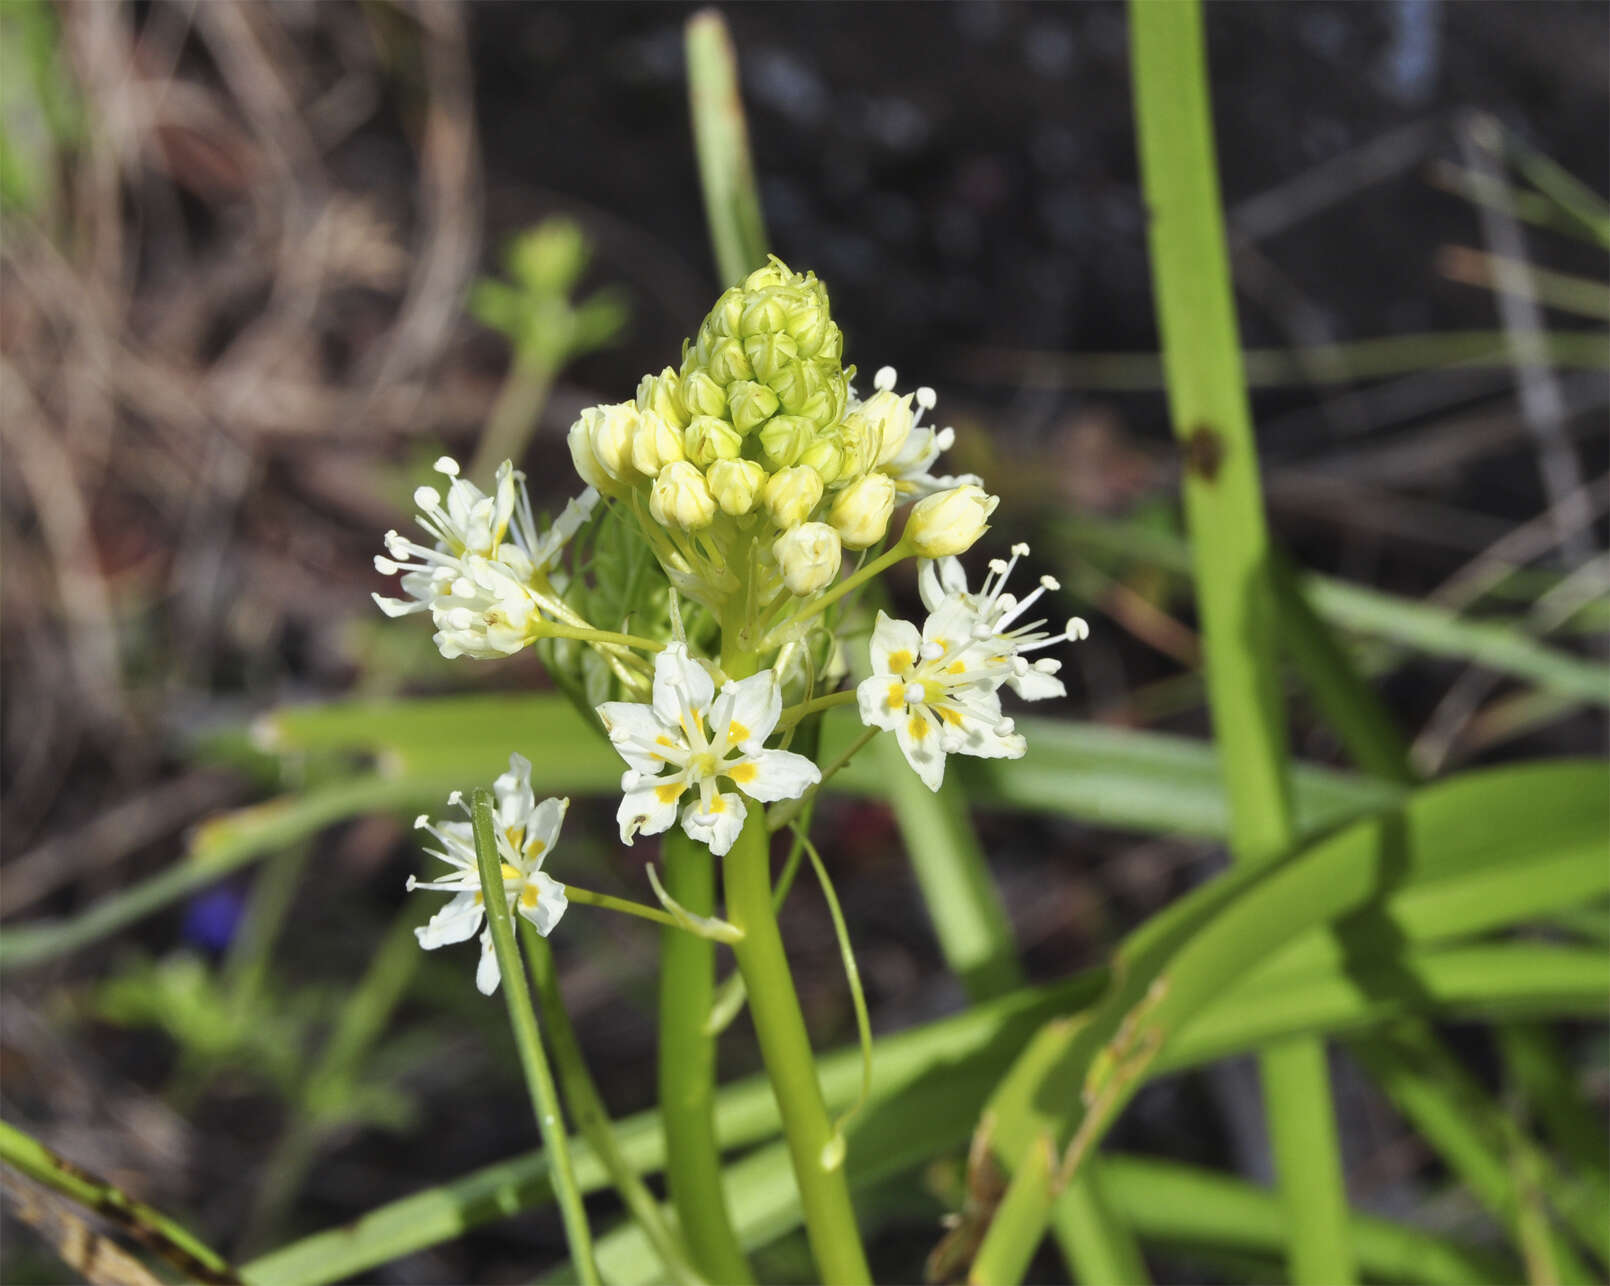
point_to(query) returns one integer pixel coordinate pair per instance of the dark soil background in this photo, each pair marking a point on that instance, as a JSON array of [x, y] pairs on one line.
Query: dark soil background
[[237, 330]]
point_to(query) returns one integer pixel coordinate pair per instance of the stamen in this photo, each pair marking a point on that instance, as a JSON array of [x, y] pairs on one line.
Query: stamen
[[930, 651], [884, 380], [927, 398], [1078, 629]]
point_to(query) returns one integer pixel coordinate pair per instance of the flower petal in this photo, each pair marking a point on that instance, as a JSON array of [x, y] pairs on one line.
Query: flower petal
[[754, 709], [891, 636], [639, 734], [918, 735], [542, 832], [1036, 685], [514, 797], [487, 976], [649, 808], [542, 901], [770, 775], [719, 827], [455, 922], [679, 680], [881, 701]]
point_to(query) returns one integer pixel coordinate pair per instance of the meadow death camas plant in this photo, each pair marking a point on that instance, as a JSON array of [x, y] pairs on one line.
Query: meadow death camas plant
[[710, 593]]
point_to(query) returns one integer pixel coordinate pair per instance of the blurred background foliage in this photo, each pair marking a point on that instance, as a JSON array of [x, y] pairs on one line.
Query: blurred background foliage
[[262, 263]]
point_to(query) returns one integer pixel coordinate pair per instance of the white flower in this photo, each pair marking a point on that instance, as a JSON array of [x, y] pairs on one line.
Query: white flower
[[936, 691], [995, 613], [480, 580], [526, 831], [687, 738], [918, 449]]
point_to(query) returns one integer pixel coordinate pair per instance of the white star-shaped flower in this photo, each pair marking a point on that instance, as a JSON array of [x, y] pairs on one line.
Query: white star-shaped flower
[[995, 614], [483, 579], [687, 739], [526, 832], [936, 691]]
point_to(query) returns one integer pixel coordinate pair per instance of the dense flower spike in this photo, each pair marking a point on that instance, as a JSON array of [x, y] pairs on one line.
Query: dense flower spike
[[936, 691], [687, 738], [995, 616], [485, 580], [526, 833]]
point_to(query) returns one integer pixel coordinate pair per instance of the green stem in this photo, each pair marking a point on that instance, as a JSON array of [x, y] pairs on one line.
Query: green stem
[[533, 1061], [687, 1070], [1230, 550], [794, 714], [551, 629], [508, 429], [591, 1116], [851, 582], [787, 811], [784, 1045], [148, 1226], [586, 897]]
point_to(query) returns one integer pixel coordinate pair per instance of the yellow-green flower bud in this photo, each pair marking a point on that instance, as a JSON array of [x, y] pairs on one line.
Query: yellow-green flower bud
[[658, 393], [825, 457], [888, 420], [768, 354], [581, 455], [798, 383], [736, 485], [726, 316], [764, 315], [861, 513], [726, 362], [708, 439], [791, 494], [774, 273], [612, 430], [751, 404], [681, 498], [809, 557], [860, 444], [948, 522], [785, 438], [702, 395], [658, 443]]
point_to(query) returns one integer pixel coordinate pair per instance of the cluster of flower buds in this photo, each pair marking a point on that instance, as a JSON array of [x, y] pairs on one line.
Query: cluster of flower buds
[[759, 440]]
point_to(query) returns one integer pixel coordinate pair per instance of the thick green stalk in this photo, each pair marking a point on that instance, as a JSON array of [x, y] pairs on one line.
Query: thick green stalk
[[533, 1061], [721, 139], [591, 1116], [1230, 548], [148, 1226], [786, 1049], [688, 1069]]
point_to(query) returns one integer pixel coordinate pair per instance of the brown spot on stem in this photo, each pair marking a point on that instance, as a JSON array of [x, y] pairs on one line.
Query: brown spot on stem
[[1204, 452]]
